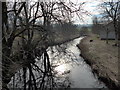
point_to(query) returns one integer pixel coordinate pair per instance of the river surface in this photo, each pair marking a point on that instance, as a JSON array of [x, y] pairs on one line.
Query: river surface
[[79, 74], [69, 67]]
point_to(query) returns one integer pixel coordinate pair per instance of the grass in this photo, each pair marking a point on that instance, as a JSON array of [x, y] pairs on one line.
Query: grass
[[102, 55]]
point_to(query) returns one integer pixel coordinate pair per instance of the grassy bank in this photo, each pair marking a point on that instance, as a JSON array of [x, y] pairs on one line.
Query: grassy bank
[[103, 59]]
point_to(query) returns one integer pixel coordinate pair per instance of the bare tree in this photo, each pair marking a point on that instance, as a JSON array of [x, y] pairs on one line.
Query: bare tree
[[111, 10], [23, 24], [96, 26]]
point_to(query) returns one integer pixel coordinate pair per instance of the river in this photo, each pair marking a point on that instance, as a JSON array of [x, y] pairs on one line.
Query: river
[[78, 71], [70, 67]]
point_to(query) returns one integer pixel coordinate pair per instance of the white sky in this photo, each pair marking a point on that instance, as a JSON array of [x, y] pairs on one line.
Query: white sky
[[90, 6]]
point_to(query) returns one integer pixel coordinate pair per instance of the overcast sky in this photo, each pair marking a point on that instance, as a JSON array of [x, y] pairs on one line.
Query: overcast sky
[[91, 7]]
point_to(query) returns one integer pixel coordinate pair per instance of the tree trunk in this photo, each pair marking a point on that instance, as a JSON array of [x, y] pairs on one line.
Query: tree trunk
[[107, 36], [116, 33]]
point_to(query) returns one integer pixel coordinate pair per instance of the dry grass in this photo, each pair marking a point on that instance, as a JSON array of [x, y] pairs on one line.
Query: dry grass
[[104, 57]]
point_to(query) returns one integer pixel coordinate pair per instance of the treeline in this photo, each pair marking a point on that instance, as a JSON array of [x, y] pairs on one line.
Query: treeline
[[64, 32]]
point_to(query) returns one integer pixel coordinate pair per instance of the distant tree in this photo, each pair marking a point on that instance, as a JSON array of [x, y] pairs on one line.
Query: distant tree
[[84, 30], [119, 30], [111, 10], [95, 27], [107, 33]]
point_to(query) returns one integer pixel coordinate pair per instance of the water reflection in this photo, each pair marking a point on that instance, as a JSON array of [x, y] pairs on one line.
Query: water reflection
[[61, 69], [68, 68], [80, 74]]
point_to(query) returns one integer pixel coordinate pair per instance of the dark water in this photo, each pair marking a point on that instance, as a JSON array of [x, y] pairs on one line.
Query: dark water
[[70, 69]]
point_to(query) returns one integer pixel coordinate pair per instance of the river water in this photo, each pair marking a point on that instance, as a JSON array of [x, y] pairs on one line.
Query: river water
[[79, 74], [69, 67]]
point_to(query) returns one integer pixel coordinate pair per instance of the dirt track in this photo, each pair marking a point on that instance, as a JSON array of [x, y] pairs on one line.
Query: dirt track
[[103, 59]]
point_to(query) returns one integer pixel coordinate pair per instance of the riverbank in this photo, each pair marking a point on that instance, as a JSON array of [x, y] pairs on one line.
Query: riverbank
[[103, 59]]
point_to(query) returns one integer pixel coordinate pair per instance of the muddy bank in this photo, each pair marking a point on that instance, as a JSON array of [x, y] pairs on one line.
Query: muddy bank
[[103, 59]]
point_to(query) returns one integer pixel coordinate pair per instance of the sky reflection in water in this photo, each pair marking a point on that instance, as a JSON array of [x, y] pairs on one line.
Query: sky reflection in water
[[80, 74]]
